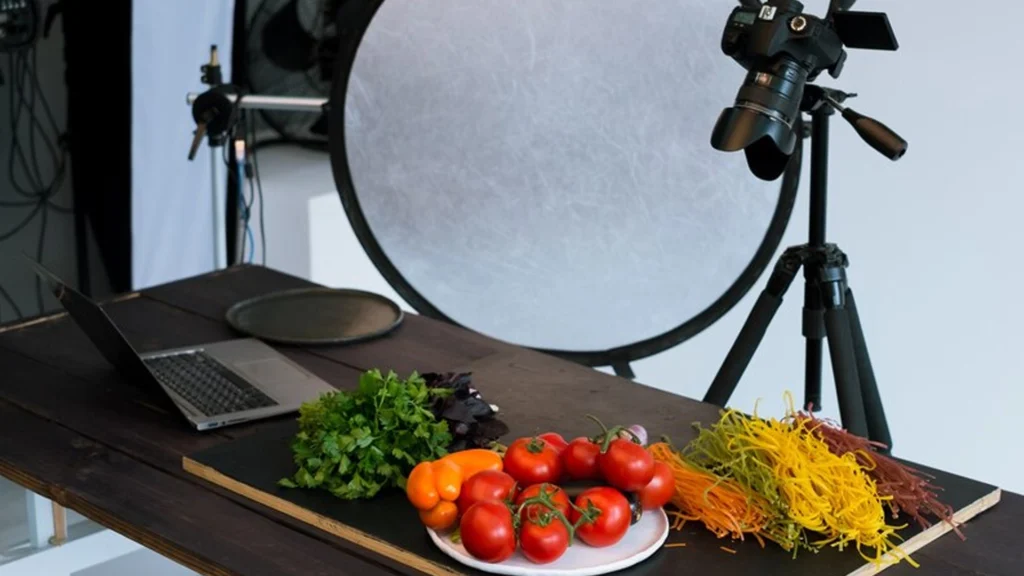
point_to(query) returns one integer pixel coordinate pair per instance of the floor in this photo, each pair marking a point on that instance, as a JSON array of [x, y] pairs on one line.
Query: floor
[[14, 538], [135, 564], [13, 517]]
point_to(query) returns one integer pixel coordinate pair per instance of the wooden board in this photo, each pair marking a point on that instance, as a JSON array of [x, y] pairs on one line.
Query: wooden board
[[387, 525]]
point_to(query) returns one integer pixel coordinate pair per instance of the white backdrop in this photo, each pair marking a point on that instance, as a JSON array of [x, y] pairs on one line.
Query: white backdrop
[[172, 213]]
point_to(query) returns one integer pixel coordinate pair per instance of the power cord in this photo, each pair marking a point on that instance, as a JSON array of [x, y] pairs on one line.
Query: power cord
[[25, 169], [259, 193], [244, 202], [259, 186], [246, 172]]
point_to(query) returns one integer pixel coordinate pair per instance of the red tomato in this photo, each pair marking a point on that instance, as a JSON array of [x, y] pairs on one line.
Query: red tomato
[[626, 465], [555, 441], [532, 461], [487, 533], [486, 485], [580, 460], [558, 497], [660, 489], [543, 541], [612, 516]]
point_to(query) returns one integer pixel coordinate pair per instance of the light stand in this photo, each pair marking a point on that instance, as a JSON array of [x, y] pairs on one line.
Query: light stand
[[216, 113], [829, 307]]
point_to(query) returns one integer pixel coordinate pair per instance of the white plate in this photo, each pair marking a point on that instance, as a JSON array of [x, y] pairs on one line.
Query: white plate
[[641, 541]]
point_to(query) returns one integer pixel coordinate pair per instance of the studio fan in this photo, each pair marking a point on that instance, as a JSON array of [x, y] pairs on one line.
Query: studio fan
[[285, 49]]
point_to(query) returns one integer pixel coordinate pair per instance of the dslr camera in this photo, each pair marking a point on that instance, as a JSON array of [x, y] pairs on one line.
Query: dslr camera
[[783, 49]]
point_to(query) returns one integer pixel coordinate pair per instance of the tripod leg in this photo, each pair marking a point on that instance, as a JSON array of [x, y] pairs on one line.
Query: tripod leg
[[750, 336], [878, 426], [844, 368], [814, 332], [832, 281]]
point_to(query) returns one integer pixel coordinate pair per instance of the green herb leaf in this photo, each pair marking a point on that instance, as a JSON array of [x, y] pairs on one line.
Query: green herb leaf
[[355, 444]]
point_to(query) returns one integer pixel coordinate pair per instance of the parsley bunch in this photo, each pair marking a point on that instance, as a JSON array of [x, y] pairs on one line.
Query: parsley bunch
[[353, 444]]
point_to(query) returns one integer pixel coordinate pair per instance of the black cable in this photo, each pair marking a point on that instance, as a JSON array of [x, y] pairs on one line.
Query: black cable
[[32, 121], [42, 96], [14, 61], [24, 223], [22, 72], [26, 92], [259, 192], [58, 154], [11, 303], [39, 258], [29, 102]]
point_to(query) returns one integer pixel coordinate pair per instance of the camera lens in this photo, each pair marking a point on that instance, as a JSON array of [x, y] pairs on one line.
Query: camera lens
[[763, 117], [776, 92]]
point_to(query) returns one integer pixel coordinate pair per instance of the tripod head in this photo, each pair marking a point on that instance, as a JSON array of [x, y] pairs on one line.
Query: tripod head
[[826, 101]]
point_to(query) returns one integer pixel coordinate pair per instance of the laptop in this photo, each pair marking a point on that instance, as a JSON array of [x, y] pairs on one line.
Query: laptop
[[212, 385]]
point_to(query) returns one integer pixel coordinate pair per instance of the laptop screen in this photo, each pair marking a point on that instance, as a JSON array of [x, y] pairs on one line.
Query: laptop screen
[[100, 330]]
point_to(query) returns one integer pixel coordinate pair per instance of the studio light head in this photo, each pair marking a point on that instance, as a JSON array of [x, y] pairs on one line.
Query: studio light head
[[783, 49]]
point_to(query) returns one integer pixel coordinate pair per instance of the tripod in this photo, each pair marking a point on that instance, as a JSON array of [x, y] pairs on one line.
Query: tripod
[[830, 311]]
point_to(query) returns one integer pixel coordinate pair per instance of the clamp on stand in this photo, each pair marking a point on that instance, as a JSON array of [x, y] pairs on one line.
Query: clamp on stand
[[215, 115], [217, 112], [830, 311]]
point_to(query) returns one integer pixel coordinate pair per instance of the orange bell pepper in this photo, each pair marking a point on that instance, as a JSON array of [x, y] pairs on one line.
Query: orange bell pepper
[[476, 460], [421, 488], [433, 487], [440, 517]]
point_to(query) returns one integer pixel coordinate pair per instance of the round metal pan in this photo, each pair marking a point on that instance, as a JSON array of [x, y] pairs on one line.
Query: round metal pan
[[316, 316]]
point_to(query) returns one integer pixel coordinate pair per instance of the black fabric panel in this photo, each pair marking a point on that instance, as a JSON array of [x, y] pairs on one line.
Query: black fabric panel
[[261, 459], [238, 52], [98, 42]]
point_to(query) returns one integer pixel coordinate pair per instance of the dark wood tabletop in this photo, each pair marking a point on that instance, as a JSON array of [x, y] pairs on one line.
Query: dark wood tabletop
[[72, 431]]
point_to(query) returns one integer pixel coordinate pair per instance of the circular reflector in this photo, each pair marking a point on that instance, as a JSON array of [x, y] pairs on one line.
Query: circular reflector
[[541, 172]]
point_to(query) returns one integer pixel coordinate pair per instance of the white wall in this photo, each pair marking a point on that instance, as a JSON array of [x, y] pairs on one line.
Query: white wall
[[172, 214], [933, 241]]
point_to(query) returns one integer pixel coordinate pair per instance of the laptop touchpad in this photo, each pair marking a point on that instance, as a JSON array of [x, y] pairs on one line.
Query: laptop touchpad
[[270, 371]]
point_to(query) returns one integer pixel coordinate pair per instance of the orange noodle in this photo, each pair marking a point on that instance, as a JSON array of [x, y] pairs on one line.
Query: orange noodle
[[721, 505]]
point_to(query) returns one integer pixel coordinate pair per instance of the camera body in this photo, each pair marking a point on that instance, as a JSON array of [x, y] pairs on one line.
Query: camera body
[[782, 49], [757, 37]]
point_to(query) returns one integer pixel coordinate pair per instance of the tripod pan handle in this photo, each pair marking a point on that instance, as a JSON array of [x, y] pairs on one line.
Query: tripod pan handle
[[877, 135]]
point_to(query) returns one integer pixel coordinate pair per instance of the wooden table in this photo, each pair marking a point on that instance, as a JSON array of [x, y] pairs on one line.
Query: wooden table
[[73, 432]]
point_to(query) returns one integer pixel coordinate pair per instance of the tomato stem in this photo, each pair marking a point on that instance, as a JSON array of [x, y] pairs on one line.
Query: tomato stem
[[588, 515], [536, 445], [607, 435], [543, 499], [612, 434], [604, 429]]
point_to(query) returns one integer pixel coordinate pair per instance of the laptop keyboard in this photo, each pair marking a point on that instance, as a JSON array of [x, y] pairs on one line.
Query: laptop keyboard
[[207, 384]]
